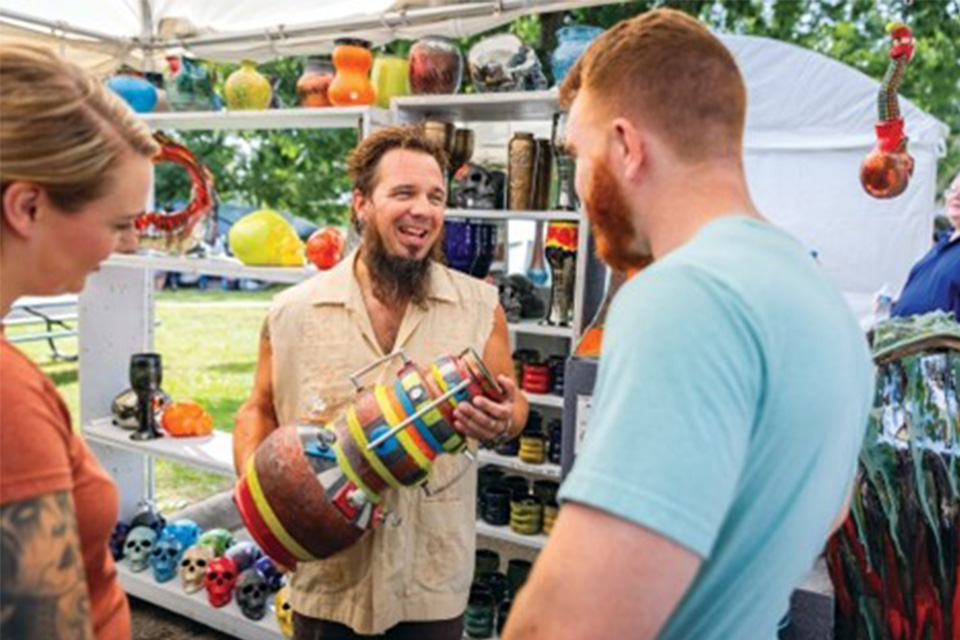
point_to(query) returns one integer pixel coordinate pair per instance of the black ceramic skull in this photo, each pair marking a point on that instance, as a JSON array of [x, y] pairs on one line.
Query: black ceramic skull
[[148, 516], [474, 188], [252, 594]]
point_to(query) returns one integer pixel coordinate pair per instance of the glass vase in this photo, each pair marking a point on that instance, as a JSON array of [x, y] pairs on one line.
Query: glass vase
[[351, 85]]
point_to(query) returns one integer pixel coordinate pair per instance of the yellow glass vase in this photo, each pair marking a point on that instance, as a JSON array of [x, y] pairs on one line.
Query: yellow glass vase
[[247, 89], [390, 77]]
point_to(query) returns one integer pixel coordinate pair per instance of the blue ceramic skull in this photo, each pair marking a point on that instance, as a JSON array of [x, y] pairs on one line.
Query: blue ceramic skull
[[117, 539], [139, 547], [244, 554], [165, 558], [186, 531], [270, 573]]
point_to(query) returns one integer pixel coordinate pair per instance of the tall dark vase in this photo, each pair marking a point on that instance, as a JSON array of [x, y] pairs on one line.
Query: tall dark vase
[[146, 374]]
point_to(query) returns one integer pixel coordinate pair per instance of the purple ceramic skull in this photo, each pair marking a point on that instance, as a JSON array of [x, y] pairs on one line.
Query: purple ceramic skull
[[117, 539], [270, 573], [244, 554]]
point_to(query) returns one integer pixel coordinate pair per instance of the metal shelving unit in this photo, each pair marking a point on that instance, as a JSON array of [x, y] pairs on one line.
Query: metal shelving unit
[[116, 318]]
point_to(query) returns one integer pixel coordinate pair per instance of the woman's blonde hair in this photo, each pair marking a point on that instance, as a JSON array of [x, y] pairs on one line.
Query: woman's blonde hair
[[61, 128]]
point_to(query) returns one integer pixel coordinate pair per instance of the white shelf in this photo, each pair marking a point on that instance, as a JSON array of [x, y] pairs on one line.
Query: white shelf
[[300, 118], [508, 535], [210, 453], [482, 107], [503, 214], [547, 469], [544, 399], [225, 267], [534, 328], [195, 606]]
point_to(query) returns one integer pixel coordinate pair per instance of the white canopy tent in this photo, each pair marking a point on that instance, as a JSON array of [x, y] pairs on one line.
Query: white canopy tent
[[809, 124], [101, 33], [810, 118]]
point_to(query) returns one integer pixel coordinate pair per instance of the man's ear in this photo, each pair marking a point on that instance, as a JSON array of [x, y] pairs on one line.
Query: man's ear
[[359, 203], [21, 202], [628, 149]]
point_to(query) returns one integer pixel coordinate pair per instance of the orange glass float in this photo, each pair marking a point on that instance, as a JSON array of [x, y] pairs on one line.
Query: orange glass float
[[184, 419], [351, 85]]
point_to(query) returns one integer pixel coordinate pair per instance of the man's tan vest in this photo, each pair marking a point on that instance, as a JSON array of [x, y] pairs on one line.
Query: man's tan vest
[[320, 333]]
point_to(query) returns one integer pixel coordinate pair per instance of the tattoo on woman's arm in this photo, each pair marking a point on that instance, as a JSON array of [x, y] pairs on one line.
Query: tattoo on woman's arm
[[43, 587]]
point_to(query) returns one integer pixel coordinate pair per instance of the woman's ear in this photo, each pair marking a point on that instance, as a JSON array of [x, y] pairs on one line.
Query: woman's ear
[[21, 202]]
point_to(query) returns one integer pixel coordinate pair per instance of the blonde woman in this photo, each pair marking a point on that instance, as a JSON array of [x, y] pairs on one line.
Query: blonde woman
[[74, 173]]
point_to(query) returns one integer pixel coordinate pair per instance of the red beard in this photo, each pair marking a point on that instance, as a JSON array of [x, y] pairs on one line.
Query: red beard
[[613, 229]]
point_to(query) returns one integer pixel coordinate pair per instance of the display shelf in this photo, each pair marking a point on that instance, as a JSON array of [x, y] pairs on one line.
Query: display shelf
[[480, 107], [210, 453], [507, 535], [300, 118], [534, 328], [224, 267], [504, 214], [544, 400], [547, 470], [195, 606]]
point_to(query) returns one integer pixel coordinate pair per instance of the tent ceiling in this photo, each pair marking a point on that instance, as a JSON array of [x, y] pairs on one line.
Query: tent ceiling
[[228, 30]]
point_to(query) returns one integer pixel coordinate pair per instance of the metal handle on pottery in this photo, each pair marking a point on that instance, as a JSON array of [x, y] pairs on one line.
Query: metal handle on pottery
[[354, 377], [406, 422], [471, 459]]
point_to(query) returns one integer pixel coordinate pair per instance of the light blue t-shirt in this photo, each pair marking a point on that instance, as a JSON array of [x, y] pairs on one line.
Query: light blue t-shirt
[[730, 407]]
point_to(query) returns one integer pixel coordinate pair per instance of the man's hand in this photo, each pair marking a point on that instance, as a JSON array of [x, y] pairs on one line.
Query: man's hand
[[484, 419]]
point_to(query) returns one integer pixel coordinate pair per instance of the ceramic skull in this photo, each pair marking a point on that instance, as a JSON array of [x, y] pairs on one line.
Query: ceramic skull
[[220, 580], [284, 611], [165, 558], [217, 540], [252, 594], [139, 546], [117, 539], [148, 516], [244, 554], [270, 573], [193, 568], [186, 531], [474, 188]]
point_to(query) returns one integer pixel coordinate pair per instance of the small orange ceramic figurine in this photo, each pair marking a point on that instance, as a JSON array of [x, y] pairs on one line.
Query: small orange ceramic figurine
[[184, 419]]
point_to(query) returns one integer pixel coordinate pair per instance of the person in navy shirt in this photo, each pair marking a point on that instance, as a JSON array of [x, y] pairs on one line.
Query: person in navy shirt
[[934, 282]]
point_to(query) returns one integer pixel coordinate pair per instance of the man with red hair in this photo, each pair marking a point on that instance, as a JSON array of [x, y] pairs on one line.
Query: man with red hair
[[734, 386]]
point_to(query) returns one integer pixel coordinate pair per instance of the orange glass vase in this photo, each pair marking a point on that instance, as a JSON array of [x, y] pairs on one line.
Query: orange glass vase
[[351, 85], [591, 340]]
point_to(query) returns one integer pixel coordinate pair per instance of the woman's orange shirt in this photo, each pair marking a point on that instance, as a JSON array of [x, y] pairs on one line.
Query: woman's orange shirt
[[40, 454]]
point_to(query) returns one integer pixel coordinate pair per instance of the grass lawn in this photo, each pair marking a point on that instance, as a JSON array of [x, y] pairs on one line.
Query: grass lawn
[[208, 340]]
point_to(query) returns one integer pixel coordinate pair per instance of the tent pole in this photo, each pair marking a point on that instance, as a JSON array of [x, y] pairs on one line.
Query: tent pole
[[146, 34], [7, 15]]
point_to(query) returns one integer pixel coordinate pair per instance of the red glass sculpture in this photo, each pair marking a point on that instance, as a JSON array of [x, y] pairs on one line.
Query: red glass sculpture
[[179, 231], [886, 171]]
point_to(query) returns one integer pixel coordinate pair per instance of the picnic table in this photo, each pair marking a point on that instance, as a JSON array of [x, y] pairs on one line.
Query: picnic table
[[49, 318]]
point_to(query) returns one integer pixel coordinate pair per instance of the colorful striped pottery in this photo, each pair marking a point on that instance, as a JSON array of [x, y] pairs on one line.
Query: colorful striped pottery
[[312, 490]]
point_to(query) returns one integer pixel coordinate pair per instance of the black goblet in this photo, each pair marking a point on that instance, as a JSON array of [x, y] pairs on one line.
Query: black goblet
[[146, 374]]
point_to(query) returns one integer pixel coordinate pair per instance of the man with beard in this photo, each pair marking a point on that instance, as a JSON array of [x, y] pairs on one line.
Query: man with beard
[[734, 384], [410, 580]]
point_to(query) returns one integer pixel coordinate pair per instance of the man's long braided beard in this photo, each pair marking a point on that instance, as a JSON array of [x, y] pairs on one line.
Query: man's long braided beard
[[396, 280]]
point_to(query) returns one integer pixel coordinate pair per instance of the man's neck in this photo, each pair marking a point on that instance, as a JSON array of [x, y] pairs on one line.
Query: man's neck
[[692, 201], [365, 279]]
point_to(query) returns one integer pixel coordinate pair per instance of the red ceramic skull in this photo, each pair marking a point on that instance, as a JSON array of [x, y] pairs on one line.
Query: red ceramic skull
[[220, 579]]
